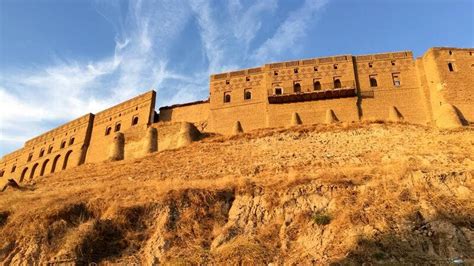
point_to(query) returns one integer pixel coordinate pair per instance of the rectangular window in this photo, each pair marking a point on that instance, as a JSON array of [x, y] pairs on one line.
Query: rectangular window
[[396, 79], [451, 67]]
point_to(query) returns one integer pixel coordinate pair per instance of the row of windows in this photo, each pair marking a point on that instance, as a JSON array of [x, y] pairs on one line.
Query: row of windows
[[395, 80], [247, 96], [50, 149], [118, 125]]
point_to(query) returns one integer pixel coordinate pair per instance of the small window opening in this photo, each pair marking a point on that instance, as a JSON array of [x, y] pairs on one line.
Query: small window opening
[[373, 81], [470, 53], [393, 62], [71, 141], [227, 82], [295, 71], [337, 84], [63, 144], [30, 156], [335, 66], [450, 52], [134, 120], [227, 97], [2, 172], [317, 85], [278, 91], [315, 69], [396, 79], [13, 169], [297, 87], [275, 73], [247, 78], [41, 153], [247, 95], [370, 64], [108, 130], [50, 149], [136, 108], [450, 67], [117, 127]]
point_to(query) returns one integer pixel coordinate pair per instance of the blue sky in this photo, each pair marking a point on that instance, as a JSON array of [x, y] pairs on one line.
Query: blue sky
[[60, 59]]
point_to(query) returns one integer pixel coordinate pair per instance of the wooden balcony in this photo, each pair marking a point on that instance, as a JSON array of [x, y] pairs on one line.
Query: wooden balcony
[[313, 95]]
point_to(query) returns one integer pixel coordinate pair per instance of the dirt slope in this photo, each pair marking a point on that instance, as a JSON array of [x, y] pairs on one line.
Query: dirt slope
[[310, 194]]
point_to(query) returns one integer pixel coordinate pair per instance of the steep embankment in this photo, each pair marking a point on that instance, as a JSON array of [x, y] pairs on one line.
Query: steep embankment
[[340, 193]]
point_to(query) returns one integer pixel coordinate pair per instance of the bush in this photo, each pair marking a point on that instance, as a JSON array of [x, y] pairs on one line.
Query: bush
[[321, 218]]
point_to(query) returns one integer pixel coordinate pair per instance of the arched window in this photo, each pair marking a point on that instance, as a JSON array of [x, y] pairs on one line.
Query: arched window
[[2, 172], [450, 67], [50, 149], [43, 168], [41, 153], [297, 87], [278, 91], [66, 159], [63, 144], [13, 168], [134, 120], [30, 156], [33, 170], [117, 127], [337, 84], [373, 81], [226, 97], [108, 130], [71, 141], [55, 163], [317, 85], [23, 174], [247, 94]]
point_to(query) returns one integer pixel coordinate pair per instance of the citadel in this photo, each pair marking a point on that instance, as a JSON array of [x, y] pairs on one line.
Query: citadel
[[435, 89]]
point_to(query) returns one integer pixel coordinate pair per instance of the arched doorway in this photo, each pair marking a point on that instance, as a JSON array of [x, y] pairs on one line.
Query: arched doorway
[[23, 174], [43, 168], [33, 170], [66, 159], [55, 162]]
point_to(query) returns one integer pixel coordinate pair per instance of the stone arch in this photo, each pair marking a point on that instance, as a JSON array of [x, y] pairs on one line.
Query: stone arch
[[43, 168], [317, 85], [297, 87], [23, 174], [66, 159], [337, 84], [33, 170], [55, 163]]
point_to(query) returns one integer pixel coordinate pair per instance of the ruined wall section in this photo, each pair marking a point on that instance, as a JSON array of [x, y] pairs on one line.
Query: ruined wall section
[[195, 112], [136, 112], [229, 104], [449, 76], [61, 148], [390, 79]]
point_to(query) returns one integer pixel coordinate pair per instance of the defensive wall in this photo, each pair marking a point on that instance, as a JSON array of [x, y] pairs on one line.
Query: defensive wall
[[434, 89], [124, 131]]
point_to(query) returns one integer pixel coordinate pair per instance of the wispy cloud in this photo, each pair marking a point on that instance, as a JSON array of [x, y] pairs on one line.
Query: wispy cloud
[[288, 35], [36, 98]]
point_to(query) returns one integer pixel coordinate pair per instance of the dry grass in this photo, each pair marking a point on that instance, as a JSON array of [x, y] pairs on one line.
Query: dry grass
[[393, 192]]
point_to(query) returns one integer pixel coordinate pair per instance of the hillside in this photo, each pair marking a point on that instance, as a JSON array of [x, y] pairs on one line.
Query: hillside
[[346, 193]]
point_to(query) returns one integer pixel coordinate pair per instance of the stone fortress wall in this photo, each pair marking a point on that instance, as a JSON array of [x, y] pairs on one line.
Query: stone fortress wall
[[435, 89]]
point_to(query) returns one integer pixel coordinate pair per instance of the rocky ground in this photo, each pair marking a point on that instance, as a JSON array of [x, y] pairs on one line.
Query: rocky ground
[[344, 193]]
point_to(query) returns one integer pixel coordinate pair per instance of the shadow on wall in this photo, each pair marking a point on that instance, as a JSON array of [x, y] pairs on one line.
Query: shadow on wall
[[463, 119]]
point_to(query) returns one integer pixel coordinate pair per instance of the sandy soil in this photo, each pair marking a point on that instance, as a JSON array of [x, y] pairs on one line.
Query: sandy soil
[[344, 193]]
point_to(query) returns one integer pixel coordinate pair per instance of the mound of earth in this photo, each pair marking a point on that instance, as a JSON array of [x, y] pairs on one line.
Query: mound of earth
[[344, 193]]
